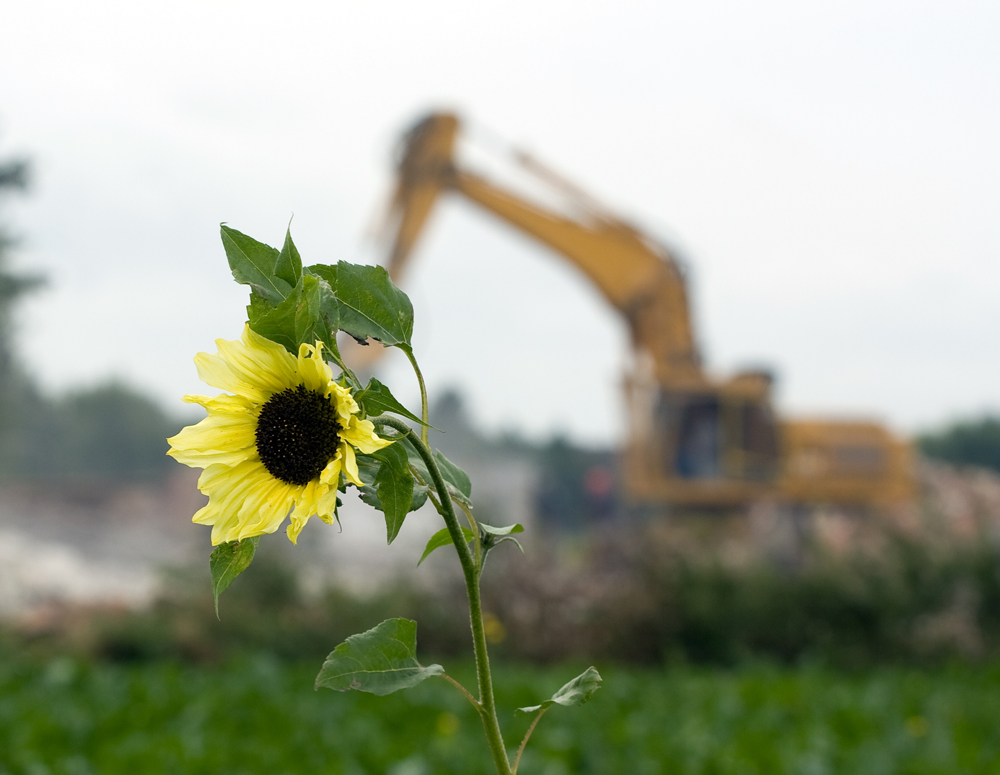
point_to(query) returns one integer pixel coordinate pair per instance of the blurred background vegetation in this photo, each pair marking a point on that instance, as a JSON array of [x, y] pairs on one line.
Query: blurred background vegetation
[[638, 600], [968, 442]]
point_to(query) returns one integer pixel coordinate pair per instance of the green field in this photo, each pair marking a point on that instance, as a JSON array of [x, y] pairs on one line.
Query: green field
[[262, 716]]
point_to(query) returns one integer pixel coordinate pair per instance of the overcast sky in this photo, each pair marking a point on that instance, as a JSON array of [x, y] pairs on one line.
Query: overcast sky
[[830, 172]]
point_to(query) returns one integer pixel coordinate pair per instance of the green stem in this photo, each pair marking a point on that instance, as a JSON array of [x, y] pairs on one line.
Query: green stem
[[487, 702], [423, 393], [463, 690], [524, 742], [476, 533], [333, 352]]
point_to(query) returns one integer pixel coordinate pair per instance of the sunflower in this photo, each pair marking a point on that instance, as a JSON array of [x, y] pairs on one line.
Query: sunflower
[[279, 443]]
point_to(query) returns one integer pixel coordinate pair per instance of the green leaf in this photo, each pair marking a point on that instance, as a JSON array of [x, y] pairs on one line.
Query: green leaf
[[576, 692], [369, 495], [368, 468], [253, 263], [443, 538], [416, 462], [494, 536], [289, 264], [458, 482], [454, 475], [380, 661], [368, 304], [501, 531], [419, 495], [300, 319], [455, 479], [376, 399], [228, 561], [394, 486], [513, 540]]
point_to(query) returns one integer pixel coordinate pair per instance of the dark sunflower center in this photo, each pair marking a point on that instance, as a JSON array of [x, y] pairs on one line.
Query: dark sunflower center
[[297, 435]]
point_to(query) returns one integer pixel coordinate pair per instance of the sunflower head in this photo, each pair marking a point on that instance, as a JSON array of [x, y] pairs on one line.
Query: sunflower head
[[281, 442]]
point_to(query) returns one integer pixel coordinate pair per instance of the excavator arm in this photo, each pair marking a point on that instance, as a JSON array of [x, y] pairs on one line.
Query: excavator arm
[[692, 440], [635, 275]]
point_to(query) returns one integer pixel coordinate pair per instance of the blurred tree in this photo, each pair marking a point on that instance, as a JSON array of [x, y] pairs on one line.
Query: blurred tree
[[13, 176], [16, 390], [975, 442], [111, 432], [107, 432]]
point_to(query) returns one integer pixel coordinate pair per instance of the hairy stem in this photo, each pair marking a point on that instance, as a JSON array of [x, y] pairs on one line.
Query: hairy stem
[[334, 353], [476, 534], [463, 690], [423, 393], [520, 750], [470, 568]]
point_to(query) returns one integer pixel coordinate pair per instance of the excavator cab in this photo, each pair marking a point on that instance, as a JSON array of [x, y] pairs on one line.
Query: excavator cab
[[712, 435]]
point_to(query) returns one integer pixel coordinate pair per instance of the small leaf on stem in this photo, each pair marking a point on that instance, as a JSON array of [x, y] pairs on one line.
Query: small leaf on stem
[[300, 319], [494, 536], [228, 561], [253, 263], [443, 538], [517, 527], [289, 264], [576, 692], [368, 304], [394, 486], [454, 475], [419, 495], [416, 462], [380, 661], [376, 399], [458, 482]]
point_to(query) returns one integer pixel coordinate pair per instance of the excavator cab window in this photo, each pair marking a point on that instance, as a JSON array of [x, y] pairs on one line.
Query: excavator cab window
[[698, 447], [705, 437], [690, 429]]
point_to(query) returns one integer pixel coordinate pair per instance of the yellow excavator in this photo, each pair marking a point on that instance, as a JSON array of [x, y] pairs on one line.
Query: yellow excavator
[[693, 441]]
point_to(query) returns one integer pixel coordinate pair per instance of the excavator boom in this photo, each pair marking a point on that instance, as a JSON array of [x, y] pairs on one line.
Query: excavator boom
[[635, 275], [692, 440]]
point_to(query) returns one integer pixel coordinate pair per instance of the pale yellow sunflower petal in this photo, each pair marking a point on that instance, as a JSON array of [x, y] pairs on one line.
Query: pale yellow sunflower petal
[[223, 403], [305, 507], [361, 433], [215, 370], [245, 516], [350, 463], [208, 483], [313, 372], [266, 507], [259, 362], [331, 474], [206, 515], [227, 489], [295, 526], [222, 478], [347, 407], [307, 500], [222, 437], [225, 524], [326, 507], [255, 367]]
